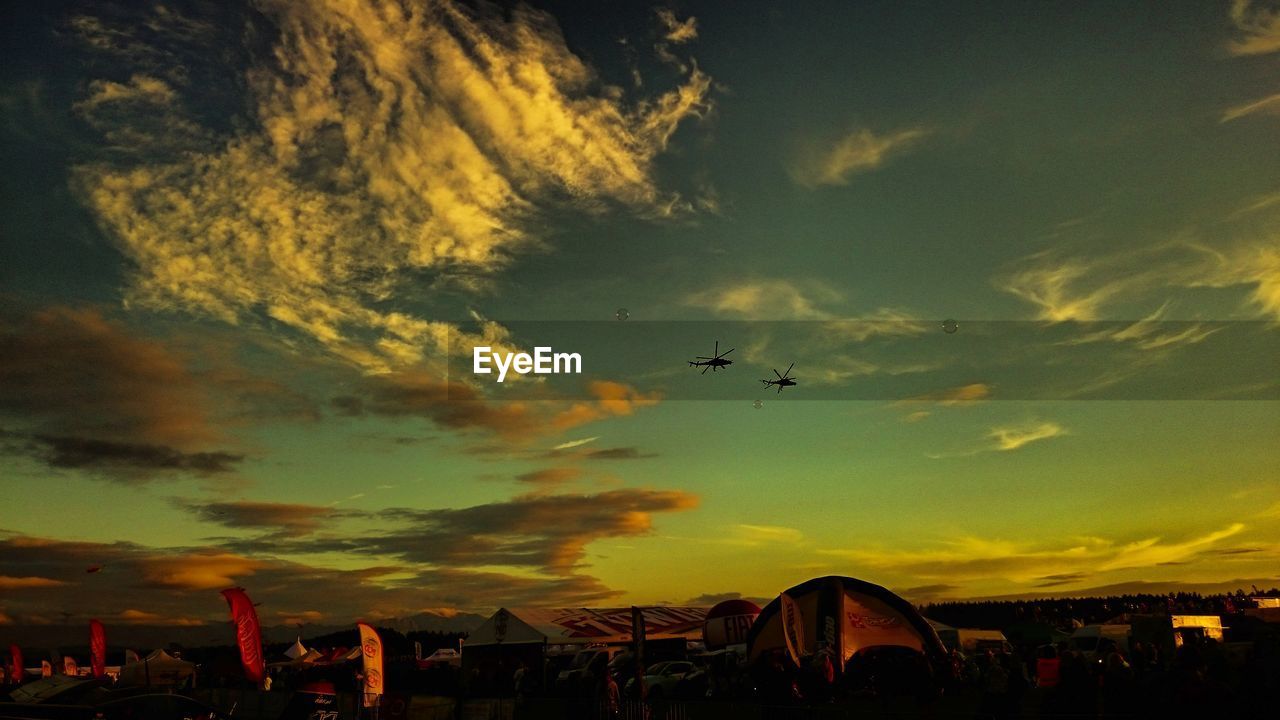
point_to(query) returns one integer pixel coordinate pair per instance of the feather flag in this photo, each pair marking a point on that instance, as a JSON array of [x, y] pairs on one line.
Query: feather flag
[[97, 648], [371, 650], [248, 633], [15, 663]]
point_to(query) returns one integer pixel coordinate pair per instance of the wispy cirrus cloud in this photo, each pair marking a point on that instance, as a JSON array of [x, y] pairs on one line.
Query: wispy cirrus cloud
[[1014, 437], [1007, 438], [1269, 105], [426, 150], [1063, 287], [972, 558], [860, 151], [960, 395]]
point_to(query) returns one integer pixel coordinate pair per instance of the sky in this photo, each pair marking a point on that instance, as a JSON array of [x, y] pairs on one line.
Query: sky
[[248, 250]]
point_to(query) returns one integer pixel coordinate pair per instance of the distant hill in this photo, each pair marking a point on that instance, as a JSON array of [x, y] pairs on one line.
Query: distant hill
[[143, 637]]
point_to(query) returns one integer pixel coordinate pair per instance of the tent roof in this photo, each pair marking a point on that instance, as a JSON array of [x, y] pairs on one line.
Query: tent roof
[[296, 650], [585, 625]]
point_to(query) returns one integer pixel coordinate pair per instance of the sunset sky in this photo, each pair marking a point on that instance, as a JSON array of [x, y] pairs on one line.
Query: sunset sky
[[247, 250]]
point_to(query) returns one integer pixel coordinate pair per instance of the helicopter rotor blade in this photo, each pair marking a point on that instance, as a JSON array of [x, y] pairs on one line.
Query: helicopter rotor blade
[[704, 369], [788, 372], [726, 352], [775, 372]]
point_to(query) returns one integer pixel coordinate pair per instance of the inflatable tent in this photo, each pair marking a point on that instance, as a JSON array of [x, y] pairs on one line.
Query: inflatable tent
[[843, 616]]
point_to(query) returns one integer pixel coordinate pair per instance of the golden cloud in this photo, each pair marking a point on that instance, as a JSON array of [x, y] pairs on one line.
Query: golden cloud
[[9, 582], [857, 152], [1258, 27], [391, 138]]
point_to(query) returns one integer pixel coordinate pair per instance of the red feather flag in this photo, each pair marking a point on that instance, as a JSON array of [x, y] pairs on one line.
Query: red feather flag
[[97, 648], [248, 633], [371, 649], [15, 659]]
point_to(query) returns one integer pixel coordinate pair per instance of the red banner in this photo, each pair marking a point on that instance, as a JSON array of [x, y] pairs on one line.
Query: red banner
[[371, 649], [97, 648], [15, 662], [248, 633]]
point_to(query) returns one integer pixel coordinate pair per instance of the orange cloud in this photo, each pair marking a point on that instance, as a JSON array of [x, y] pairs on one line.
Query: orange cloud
[[8, 582], [201, 571]]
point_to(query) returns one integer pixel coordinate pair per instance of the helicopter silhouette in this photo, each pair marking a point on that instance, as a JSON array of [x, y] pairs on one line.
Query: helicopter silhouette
[[714, 363], [784, 380]]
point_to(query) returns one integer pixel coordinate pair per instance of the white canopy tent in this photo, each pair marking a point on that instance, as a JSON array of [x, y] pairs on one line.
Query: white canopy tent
[[158, 668]]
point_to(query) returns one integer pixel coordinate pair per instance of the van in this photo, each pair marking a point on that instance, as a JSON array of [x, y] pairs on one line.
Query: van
[[1090, 640]]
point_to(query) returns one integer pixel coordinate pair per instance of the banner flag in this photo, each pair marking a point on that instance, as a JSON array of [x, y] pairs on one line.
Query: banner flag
[[46, 668], [371, 650], [97, 648], [69, 666], [15, 662], [792, 627], [248, 633]]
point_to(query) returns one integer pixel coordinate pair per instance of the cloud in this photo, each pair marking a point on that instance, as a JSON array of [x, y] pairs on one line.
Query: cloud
[[860, 151], [84, 392], [428, 149], [767, 299], [202, 570], [618, 453], [1269, 105], [1012, 438], [1258, 25], [1153, 332], [1061, 579], [462, 407], [125, 462], [967, 559], [543, 532], [21, 583], [753, 535], [959, 395], [1055, 288], [282, 519], [189, 578], [550, 477], [1078, 289], [609, 399], [1150, 551], [928, 592], [677, 31], [142, 617], [575, 443], [779, 299]]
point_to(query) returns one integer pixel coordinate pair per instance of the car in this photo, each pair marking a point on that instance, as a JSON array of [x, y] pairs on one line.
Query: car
[[663, 679], [139, 706]]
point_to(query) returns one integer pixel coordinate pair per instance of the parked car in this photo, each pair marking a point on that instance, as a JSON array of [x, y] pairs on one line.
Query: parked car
[[663, 679], [149, 706]]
